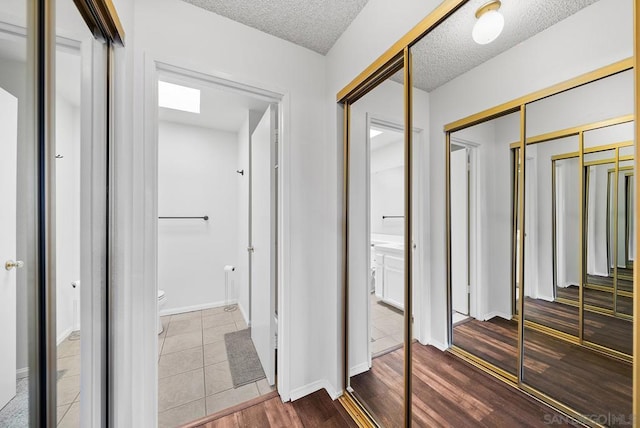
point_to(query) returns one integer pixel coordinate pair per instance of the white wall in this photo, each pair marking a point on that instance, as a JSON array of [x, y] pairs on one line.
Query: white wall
[[242, 261], [196, 177], [242, 258], [387, 188], [541, 284], [569, 48], [567, 222], [596, 239], [67, 217]]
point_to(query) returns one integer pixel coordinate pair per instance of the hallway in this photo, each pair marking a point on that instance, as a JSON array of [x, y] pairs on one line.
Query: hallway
[[448, 391]]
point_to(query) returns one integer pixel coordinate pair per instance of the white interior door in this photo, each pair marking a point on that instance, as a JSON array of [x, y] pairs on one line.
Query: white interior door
[[263, 241], [8, 172], [459, 232]]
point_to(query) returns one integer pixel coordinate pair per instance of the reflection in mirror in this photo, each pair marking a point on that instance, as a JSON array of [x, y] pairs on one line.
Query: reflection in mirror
[[376, 252], [483, 190], [598, 288], [518, 228], [608, 320], [565, 174], [580, 346], [546, 161]]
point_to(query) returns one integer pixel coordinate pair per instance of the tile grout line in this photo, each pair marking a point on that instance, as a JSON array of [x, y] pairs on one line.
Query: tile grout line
[[204, 374]]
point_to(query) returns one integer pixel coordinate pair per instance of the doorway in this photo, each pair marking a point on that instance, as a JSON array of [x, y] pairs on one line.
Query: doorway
[[464, 287], [217, 244]]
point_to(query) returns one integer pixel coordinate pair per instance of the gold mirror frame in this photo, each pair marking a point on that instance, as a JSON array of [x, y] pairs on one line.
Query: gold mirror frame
[[369, 79]]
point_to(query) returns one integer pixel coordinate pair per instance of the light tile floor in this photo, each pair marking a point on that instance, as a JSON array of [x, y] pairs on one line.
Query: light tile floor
[[194, 379], [69, 382], [16, 414], [387, 330]]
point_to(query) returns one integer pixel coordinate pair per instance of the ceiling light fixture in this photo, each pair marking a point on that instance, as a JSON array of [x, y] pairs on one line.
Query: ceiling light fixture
[[178, 97], [489, 24]]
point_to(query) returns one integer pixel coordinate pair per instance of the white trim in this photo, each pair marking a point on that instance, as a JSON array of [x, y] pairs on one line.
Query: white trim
[[439, 345], [476, 286], [312, 387], [545, 297], [493, 314], [63, 336], [569, 284], [93, 239], [359, 369], [150, 186], [184, 309], [244, 314], [22, 373]]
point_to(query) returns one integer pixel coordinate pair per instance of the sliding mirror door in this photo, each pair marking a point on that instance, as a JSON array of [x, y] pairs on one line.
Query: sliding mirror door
[[552, 240], [482, 288], [577, 338], [376, 250]]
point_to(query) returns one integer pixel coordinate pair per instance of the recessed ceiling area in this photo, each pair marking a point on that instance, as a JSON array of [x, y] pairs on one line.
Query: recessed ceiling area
[[383, 137], [313, 24], [220, 109]]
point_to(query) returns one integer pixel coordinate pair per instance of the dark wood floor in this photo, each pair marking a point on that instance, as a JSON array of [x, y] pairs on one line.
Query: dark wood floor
[[612, 332], [625, 280], [601, 299], [587, 381], [447, 392], [314, 410]]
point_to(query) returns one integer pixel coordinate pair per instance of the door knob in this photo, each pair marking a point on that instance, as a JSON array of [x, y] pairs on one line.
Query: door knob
[[10, 264], [250, 249]]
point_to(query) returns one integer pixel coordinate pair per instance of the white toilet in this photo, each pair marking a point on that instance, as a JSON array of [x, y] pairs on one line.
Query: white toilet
[[161, 301]]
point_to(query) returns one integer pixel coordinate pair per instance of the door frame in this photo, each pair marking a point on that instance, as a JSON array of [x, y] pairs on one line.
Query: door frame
[[474, 240], [147, 335], [419, 252]]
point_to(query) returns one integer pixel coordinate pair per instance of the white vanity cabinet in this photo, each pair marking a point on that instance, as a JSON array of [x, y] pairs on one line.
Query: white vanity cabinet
[[390, 274]]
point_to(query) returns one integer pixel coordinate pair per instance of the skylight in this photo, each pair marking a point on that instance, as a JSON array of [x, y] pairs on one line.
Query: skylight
[[178, 97]]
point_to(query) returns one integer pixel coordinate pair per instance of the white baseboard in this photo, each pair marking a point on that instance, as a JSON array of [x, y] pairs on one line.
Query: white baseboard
[[546, 298], [62, 336], [502, 315], [360, 368], [439, 345], [22, 373], [310, 388], [244, 314], [568, 284], [183, 309]]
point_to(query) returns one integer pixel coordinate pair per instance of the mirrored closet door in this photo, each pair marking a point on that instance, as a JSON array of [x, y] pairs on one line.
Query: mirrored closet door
[[376, 258], [523, 143]]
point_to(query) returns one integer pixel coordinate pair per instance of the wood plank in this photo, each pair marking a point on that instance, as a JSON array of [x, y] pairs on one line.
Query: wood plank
[[566, 372]]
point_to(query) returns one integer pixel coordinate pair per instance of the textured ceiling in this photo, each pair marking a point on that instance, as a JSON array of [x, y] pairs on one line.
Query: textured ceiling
[[449, 51], [314, 24]]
